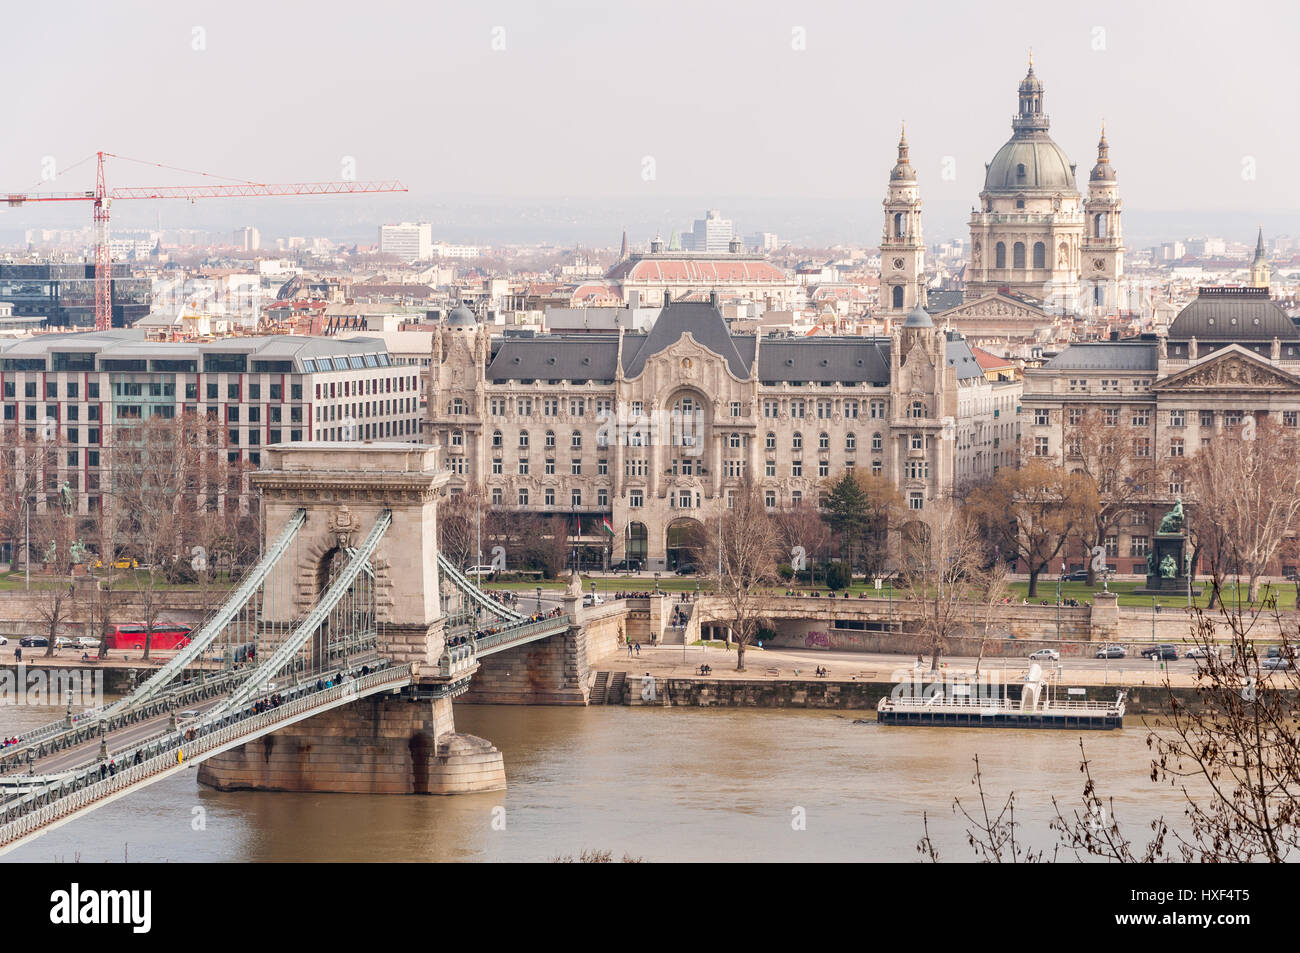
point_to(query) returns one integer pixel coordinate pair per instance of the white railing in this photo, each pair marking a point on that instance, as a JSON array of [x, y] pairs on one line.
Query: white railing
[[180, 752], [998, 703]]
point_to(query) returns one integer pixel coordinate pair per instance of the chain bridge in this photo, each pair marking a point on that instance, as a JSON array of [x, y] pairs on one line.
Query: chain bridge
[[332, 667]]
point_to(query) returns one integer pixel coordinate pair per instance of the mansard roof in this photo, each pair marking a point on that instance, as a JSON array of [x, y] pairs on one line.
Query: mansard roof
[[555, 357], [704, 323], [847, 360], [1233, 314], [1107, 356]]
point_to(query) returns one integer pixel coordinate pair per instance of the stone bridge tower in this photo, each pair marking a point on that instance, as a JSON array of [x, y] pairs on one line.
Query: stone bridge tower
[[403, 743]]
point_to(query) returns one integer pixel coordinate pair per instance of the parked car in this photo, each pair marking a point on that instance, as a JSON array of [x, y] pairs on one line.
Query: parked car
[[1160, 652], [85, 642], [1206, 651], [592, 599], [686, 569], [1112, 651], [1276, 663], [3, 640], [1045, 655], [63, 642], [33, 641], [1079, 575], [476, 571], [626, 565], [1276, 651]]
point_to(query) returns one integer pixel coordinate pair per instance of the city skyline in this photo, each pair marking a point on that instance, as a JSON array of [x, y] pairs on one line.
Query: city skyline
[[797, 106]]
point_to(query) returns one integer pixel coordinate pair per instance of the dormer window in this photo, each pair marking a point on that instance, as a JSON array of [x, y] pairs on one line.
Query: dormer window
[[1020, 170]]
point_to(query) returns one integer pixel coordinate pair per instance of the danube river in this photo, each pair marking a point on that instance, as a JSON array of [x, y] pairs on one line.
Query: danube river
[[683, 784]]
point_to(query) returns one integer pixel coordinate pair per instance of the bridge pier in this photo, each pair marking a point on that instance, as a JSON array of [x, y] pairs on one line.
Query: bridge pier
[[386, 744]]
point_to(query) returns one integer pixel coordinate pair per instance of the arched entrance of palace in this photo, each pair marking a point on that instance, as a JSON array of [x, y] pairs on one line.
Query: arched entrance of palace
[[685, 543]]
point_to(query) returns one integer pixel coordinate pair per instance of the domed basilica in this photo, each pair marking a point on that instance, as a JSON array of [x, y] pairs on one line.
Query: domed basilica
[[1038, 248]]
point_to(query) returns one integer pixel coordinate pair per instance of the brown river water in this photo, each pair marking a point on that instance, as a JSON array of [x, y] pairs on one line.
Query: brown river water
[[684, 784]]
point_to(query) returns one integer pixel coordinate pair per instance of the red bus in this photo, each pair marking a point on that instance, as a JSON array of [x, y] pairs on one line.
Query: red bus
[[166, 636]]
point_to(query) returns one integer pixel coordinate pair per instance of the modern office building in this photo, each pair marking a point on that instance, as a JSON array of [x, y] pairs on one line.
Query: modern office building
[[75, 390], [409, 241], [64, 293]]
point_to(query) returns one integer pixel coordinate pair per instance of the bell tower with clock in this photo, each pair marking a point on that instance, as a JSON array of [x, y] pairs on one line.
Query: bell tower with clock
[[902, 251], [1103, 238]]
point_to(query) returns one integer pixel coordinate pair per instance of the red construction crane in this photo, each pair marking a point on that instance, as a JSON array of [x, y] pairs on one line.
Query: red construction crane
[[104, 197]]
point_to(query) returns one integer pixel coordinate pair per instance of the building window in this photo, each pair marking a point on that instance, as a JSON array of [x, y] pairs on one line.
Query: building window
[[575, 498], [916, 501], [850, 442], [1040, 446], [1176, 447], [917, 409], [769, 499], [1137, 545], [1110, 416], [797, 442], [796, 468], [1042, 418], [1078, 385], [823, 441], [1207, 418], [877, 442], [851, 409], [523, 496], [523, 438], [635, 499], [771, 408], [548, 498], [735, 408], [1177, 418], [770, 468], [918, 442], [1142, 417]]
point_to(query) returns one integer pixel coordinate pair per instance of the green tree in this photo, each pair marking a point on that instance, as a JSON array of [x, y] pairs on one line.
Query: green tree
[[848, 514]]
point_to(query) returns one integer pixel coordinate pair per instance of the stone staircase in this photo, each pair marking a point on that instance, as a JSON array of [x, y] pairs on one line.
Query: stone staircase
[[614, 694], [598, 689]]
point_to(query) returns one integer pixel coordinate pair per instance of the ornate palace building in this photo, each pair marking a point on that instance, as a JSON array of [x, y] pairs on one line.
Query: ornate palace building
[[1230, 353], [655, 431]]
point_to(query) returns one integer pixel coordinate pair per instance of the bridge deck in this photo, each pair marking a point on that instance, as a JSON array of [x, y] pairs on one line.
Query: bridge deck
[[24, 818]]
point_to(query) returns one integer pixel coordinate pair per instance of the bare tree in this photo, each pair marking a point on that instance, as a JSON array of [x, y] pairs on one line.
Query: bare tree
[[1247, 487], [155, 469], [1233, 753], [802, 527], [460, 517], [53, 535], [942, 566], [994, 582], [741, 562], [1120, 462], [1031, 512]]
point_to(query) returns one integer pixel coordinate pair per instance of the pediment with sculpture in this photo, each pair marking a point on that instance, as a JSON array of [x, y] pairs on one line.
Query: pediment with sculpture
[[994, 306], [1232, 370]]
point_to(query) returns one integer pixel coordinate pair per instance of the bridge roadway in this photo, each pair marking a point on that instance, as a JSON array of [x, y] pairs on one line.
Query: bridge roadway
[[26, 816]]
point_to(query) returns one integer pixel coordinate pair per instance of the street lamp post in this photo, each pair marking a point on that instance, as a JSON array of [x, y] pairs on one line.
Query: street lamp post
[[539, 600], [27, 541]]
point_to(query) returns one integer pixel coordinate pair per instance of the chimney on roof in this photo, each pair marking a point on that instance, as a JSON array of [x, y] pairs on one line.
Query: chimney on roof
[[668, 297], [713, 298]]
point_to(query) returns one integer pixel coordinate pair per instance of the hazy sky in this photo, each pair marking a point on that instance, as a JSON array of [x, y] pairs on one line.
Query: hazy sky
[[1196, 96]]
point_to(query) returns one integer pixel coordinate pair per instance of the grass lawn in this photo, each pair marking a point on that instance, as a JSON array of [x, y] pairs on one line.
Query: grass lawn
[[1081, 591]]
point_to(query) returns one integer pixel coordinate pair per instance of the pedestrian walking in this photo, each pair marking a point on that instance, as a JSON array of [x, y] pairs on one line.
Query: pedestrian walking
[[629, 648], [638, 649]]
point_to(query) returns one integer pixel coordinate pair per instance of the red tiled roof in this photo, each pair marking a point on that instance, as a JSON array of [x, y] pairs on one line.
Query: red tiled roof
[[989, 361], [704, 270]]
